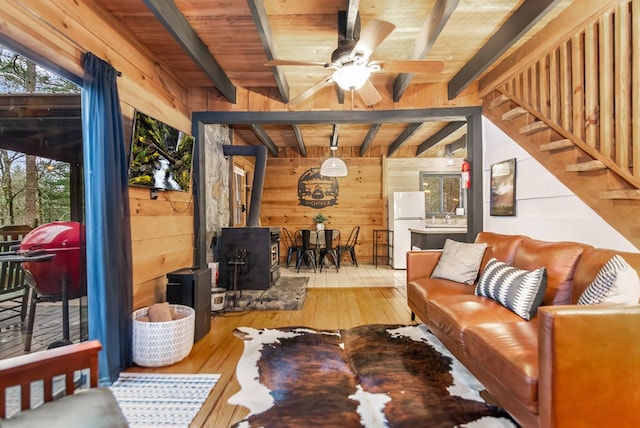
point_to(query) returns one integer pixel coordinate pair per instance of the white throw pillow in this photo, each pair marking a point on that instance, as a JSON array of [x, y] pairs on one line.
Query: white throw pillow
[[519, 290], [459, 261], [617, 282]]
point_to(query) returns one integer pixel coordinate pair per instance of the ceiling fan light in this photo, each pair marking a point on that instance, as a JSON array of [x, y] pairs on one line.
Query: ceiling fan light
[[351, 77], [333, 167]]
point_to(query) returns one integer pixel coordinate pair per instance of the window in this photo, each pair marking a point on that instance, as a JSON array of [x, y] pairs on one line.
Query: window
[[443, 192]]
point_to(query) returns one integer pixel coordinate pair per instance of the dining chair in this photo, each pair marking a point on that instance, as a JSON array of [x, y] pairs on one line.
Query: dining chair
[[292, 246], [350, 246], [330, 248], [309, 253]]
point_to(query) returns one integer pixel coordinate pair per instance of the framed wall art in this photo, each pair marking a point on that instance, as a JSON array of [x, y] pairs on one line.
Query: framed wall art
[[503, 188]]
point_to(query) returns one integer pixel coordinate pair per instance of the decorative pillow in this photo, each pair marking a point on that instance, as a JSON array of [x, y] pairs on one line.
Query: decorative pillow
[[519, 290], [617, 282], [459, 261]]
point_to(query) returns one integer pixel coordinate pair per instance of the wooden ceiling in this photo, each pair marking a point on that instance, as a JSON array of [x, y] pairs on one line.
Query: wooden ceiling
[[224, 44]]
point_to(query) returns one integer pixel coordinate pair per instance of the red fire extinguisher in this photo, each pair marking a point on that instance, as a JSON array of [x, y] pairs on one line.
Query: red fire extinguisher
[[466, 174]]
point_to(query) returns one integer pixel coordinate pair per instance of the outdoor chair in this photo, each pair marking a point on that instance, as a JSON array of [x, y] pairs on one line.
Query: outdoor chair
[[330, 247], [350, 246], [309, 253], [292, 246]]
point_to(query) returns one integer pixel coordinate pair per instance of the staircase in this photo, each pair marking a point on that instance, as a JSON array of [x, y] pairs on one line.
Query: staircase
[[610, 189]]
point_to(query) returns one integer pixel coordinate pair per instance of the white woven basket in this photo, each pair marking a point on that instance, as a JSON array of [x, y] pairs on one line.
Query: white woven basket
[[158, 344]]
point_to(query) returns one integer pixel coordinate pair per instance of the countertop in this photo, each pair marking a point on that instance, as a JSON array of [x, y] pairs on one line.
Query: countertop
[[440, 229]]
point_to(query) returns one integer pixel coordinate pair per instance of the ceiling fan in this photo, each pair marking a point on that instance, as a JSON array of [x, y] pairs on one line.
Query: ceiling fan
[[352, 68]]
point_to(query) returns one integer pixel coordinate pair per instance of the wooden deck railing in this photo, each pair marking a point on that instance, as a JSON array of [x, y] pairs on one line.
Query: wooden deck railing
[[588, 89]]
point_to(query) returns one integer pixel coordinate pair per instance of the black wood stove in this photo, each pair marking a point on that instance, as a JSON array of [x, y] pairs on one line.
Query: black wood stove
[[249, 257]]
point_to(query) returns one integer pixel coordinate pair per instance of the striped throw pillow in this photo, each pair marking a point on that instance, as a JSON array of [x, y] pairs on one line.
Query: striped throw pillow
[[616, 282], [460, 261], [519, 290]]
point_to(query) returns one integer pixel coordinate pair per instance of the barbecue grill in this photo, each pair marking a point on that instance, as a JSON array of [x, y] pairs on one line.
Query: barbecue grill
[[51, 257], [63, 240]]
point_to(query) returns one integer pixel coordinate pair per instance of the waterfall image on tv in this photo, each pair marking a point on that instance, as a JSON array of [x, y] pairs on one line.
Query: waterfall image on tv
[[161, 155]]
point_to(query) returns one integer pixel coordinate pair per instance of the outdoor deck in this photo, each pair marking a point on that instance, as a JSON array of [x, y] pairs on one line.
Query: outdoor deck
[[47, 328]]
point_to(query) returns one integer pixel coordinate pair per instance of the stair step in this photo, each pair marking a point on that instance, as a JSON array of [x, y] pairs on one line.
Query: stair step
[[556, 145], [533, 127], [513, 113], [594, 165], [498, 101], [621, 194]]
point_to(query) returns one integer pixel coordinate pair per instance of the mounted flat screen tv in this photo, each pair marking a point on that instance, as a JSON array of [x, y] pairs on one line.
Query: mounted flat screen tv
[[161, 156]]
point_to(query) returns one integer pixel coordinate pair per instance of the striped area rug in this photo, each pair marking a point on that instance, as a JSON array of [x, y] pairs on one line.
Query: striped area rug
[[162, 400]]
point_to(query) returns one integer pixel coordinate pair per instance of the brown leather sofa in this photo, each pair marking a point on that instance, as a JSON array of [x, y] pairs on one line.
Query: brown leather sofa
[[571, 365]]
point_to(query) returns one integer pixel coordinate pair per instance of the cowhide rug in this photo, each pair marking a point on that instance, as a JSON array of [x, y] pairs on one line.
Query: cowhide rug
[[372, 376]]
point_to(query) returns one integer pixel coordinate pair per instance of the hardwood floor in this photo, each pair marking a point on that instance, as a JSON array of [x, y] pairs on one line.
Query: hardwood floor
[[325, 308]]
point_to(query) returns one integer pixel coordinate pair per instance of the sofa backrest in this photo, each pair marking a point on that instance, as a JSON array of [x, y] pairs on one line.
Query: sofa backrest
[[559, 259], [502, 247], [590, 263]]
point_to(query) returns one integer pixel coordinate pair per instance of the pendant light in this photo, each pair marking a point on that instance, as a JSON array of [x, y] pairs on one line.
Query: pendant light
[[333, 166]]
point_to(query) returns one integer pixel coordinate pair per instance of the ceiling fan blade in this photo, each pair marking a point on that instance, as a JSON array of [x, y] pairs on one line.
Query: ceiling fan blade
[[307, 93], [410, 66], [274, 62], [369, 94], [371, 37]]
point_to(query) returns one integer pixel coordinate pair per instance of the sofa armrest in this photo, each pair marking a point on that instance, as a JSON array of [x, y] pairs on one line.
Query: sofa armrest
[[420, 264], [45, 365], [589, 365]]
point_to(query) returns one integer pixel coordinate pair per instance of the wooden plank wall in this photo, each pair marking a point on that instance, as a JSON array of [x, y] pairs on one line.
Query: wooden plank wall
[[60, 32], [360, 200]]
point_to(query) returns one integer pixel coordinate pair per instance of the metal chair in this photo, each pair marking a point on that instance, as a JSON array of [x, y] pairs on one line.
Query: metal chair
[[350, 246], [330, 248], [309, 253], [292, 246]]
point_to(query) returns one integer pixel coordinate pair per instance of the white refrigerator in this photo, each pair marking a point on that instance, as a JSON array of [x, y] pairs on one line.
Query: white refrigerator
[[406, 211]]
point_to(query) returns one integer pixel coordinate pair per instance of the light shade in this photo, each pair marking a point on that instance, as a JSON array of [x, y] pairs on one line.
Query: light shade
[[351, 77], [333, 167]]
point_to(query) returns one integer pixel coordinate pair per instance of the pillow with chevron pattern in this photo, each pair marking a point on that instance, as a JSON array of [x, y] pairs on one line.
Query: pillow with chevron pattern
[[519, 290], [616, 282], [460, 261]]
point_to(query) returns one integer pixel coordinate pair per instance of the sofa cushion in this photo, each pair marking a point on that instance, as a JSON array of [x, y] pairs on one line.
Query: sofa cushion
[[454, 314], [421, 290], [95, 407], [517, 289], [510, 352], [460, 261], [558, 258], [616, 282]]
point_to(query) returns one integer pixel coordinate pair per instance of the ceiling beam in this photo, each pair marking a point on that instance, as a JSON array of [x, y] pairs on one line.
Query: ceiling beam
[[177, 25], [440, 114], [265, 139], [431, 29], [353, 20], [333, 142], [447, 130], [300, 140], [373, 130], [459, 144], [525, 17], [403, 137], [261, 19]]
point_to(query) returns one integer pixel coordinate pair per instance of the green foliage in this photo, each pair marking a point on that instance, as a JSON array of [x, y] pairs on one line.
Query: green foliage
[[319, 218], [153, 141], [19, 75]]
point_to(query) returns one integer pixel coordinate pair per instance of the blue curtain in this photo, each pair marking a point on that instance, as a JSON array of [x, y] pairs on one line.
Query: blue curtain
[[109, 283]]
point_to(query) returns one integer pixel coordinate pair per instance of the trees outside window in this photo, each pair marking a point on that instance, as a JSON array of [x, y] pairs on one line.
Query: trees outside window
[[34, 190]]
